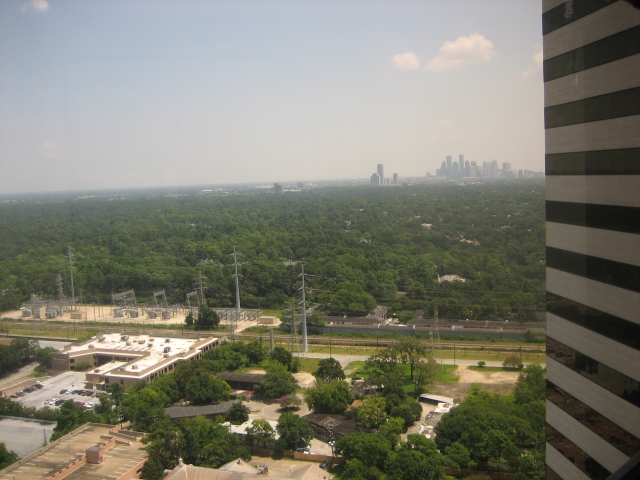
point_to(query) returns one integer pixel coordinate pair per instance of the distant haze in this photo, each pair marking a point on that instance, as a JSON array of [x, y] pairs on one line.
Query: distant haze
[[118, 94]]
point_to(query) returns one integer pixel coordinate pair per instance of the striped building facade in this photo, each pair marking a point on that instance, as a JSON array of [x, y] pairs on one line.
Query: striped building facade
[[592, 130]]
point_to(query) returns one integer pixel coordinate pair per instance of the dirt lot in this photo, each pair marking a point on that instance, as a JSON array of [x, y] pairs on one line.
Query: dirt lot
[[497, 382]]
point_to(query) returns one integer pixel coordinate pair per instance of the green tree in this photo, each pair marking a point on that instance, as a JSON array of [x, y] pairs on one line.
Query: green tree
[[117, 393], [372, 449], [7, 457], [276, 384], [329, 397], [165, 444], [208, 318], [426, 373], [144, 408], [531, 385], [411, 350], [413, 465], [356, 470], [237, 414], [329, 369], [512, 361], [71, 416], [289, 401], [205, 388], [188, 319], [106, 410], [294, 431], [372, 412], [43, 357], [458, 457], [281, 355], [260, 433], [409, 410], [167, 385], [391, 430]]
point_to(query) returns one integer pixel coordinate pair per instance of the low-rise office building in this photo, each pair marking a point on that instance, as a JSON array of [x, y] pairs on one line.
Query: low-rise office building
[[127, 359]]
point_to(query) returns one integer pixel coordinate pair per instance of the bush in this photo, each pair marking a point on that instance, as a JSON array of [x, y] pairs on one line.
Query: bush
[[512, 361], [82, 366], [481, 363]]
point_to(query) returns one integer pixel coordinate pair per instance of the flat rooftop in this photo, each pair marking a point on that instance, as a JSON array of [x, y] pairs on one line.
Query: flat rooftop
[[49, 460], [150, 350]]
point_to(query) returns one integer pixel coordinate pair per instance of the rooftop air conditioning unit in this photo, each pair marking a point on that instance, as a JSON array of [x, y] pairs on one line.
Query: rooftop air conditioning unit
[[167, 340], [134, 367], [166, 355], [128, 344], [97, 370], [149, 344], [91, 345]]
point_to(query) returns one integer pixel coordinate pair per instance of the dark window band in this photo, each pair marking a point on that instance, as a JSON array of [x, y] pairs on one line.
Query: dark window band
[[606, 217], [618, 274], [618, 104], [624, 161], [576, 455], [594, 421], [605, 324], [615, 382], [569, 12], [609, 49]]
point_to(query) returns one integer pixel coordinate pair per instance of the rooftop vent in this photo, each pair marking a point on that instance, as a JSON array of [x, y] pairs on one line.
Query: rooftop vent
[[91, 345], [167, 340]]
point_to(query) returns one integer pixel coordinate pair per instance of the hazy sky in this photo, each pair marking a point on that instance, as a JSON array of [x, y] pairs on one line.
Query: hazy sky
[[106, 94]]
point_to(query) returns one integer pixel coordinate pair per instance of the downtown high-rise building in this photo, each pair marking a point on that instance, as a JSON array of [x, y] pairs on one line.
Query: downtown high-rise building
[[448, 164], [592, 141], [380, 174]]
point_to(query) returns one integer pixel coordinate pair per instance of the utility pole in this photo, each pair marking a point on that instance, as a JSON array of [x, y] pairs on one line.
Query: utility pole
[[73, 297], [305, 346]]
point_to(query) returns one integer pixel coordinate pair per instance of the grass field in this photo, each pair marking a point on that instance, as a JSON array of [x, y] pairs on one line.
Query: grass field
[[447, 374]]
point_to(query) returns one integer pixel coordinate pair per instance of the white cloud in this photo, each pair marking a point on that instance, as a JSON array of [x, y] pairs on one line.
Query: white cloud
[[537, 60], [463, 51], [35, 6], [406, 61]]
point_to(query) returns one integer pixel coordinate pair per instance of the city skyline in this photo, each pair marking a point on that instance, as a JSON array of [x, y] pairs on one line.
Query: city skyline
[[134, 95]]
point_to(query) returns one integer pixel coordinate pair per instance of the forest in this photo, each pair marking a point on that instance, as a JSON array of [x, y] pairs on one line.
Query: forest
[[361, 246]]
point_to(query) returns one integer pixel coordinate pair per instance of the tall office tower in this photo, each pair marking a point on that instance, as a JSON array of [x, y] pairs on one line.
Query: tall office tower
[[467, 169], [448, 165], [380, 174], [473, 172], [375, 180], [461, 159], [486, 169], [442, 171], [506, 167], [395, 178], [455, 170], [494, 169], [592, 139], [278, 189]]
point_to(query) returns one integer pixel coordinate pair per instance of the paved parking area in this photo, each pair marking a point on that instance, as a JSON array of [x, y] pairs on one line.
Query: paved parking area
[[52, 386], [24, 436]]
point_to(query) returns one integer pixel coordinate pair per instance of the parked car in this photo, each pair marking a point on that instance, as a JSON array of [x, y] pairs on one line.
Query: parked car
[[63, 391], [59, 402], [80, 404], [74, 392], [15, 395], [39, 385], [20, 394]]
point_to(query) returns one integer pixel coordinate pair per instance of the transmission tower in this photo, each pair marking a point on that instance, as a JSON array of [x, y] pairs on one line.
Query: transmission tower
[[59, 288], [73, 296], [305, 346], [234, 323], [271, 339], [436, 345], [201, 285]]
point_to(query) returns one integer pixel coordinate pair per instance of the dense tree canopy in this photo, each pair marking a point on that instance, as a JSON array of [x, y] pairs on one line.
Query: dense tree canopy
[[329, 369], [328, 397], [363, 245]]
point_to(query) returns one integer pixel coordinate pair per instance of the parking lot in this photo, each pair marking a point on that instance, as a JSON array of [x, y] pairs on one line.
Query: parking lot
[[52, 388]]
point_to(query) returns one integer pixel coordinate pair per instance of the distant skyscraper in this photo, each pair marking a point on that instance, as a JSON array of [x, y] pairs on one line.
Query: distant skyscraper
[[461, 159], [395, 178], [375, 180], [455, 170], [486, 169], [278, 189], [494, 169], [448, 165], [592, 154], [380, 174], [473, 172], [467, 169], [442, 171]]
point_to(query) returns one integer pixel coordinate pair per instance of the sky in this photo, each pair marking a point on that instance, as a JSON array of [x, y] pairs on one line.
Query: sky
[[126, 94]]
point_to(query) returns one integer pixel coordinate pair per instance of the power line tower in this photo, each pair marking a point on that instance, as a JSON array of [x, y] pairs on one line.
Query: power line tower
[[436, 345], [305, 346], [200, 284], [271, 339], [59, 288], [73, 296], [234, 322]]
